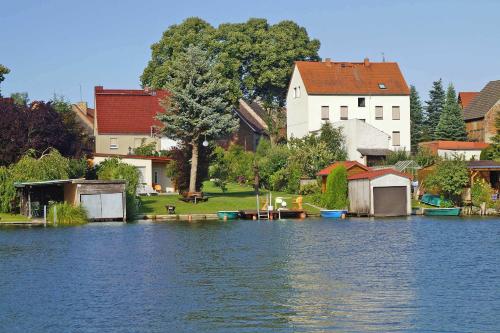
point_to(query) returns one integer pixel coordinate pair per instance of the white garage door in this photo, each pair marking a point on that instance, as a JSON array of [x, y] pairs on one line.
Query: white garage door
[[103, 206]]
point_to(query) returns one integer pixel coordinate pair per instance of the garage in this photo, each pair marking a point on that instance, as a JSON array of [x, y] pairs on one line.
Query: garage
[[383, 192]]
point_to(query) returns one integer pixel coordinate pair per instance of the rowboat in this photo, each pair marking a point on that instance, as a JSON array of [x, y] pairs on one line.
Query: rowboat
[[227, 214], [442, 211], [332, 213]]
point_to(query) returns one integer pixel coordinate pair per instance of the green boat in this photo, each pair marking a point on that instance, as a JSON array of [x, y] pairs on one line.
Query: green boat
[[228, 214], [442, 211]]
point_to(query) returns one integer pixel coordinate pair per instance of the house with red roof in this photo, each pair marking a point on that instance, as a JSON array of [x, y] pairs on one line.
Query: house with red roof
[[374, 93], [448, 149], [465, 97]]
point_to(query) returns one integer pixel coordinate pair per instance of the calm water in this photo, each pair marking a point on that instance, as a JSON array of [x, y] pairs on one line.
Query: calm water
[[412, 275]]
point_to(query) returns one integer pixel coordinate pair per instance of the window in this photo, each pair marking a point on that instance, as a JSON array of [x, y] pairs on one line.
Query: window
[[295, 92], [298, 91], [363, 120], [379, 112], [325, 112], [113, 143], [382, 86], [343, 113], [361, 102], [395, 113], [396, 138]]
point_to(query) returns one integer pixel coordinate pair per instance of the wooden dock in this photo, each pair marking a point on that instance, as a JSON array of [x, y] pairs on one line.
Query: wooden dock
[[273, 214], [27, 223]]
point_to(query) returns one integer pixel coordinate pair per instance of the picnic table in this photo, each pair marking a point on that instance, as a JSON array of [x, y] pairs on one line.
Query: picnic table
[[193, 197]]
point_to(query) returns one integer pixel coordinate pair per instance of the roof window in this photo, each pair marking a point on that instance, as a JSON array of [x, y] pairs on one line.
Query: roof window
[[382, 86]]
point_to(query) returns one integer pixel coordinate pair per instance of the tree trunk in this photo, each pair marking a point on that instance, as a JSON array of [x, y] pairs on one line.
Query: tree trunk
[[194, 166]]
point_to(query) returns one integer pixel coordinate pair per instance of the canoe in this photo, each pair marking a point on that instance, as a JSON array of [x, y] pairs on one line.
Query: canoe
[[227, 214], [442, 211], [332, 213]]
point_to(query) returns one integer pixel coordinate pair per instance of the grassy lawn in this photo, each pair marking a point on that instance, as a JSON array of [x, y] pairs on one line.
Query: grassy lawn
[[237, 197], [6, 217]]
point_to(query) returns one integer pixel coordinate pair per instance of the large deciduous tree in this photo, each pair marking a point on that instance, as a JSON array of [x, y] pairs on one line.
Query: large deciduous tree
[[435, 106], [196, 108], [3, 71], [451, 124], [416, 119]]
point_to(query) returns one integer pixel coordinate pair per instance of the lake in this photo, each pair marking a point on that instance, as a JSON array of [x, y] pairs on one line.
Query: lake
[[404, 275]]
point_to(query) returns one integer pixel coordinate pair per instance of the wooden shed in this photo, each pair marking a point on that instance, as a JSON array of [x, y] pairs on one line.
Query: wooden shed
[[384, 192], [102, 199], [352, 167]]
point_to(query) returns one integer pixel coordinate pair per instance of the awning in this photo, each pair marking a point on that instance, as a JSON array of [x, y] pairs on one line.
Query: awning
[[374, 151]]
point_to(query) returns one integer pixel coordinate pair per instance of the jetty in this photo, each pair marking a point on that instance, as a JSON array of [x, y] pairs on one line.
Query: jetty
[[272, 214]]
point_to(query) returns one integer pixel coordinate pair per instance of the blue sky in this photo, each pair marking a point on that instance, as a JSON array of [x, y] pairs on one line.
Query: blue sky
[[56, 46]]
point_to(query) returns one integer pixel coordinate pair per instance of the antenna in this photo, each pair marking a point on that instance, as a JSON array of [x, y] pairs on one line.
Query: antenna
[[383, 57], [81, 98]]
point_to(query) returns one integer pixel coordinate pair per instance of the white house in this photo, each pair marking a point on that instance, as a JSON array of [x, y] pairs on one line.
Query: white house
[[327, 91]]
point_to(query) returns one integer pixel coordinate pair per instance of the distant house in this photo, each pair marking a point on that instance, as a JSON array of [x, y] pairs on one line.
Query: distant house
[[84, 116], [469, 150], [481, 112], [352, 167], [465, 97], [124, 119], [375, 93]]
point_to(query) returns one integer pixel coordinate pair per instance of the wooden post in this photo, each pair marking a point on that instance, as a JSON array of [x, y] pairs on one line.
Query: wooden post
[[55, 215], [29, 204]]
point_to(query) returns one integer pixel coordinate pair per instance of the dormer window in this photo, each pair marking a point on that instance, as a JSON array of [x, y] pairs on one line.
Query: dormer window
[[382, 86]]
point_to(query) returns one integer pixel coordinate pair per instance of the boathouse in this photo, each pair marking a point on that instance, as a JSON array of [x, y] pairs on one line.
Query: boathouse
[[102, 199], [352, 168], [383, 192]]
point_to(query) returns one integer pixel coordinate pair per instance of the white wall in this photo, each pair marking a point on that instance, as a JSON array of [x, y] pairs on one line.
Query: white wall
[[391, 180], [297, 118], [359, 134], [467, 154], [167, 144], [139, 163]]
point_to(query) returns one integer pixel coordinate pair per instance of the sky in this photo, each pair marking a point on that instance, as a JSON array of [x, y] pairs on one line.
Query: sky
[[58, 46]]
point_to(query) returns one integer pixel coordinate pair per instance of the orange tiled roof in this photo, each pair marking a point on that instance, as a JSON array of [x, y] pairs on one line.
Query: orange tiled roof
[[348, 164], [454, 145], [465, 97], [378, 173], [352, 78]]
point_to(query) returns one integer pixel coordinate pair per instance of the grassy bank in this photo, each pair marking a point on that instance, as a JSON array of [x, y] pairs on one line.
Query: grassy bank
[[237, 197], [6, 217]]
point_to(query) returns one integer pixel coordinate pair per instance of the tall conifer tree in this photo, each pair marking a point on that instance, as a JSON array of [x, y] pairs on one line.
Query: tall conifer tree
[[416, 118], [434, 108], [451, 124]]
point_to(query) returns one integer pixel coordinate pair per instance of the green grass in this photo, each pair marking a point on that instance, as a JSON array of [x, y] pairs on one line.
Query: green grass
[[237, 197], [6, 217], [416, 203]]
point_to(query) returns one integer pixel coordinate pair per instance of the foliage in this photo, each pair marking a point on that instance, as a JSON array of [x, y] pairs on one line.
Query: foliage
[[269, 159], [3, 71], [67, 214], [424, 157], [219, 169], [286, 179], [451, 124], [7, 190], [113, 168], [179, 168], [78, 168], [240, 163], [196, 107], [416, 118], [481, 192], [311, 188], [434, 109], [334, 141], [146, 149], [20, 98], [493, 151], [446, 203], [449, 178], [335, 196], [396, 156]]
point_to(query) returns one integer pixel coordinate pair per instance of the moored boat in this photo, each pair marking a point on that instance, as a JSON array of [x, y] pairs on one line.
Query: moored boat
[[332, 213], [227, 214], [442, 211]]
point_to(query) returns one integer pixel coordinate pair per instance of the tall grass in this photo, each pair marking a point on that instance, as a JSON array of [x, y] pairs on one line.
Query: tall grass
[[67, 214]]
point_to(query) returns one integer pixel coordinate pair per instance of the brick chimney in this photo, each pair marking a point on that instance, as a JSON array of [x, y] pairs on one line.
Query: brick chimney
[[367, 62], [328, 61]]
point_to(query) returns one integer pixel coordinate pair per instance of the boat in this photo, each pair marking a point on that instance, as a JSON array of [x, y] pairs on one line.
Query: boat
[[431, 199], [332, 213], [442, 211], [228, 214]]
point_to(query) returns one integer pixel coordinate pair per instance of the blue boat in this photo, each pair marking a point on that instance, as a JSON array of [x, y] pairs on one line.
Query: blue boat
[[332, 213]]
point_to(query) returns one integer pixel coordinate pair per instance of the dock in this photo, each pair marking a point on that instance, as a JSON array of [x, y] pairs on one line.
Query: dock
[[273, 214], [26, 223]]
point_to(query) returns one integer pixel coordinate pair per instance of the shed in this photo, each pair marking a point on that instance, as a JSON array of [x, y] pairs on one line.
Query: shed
[[102, 199], [353, 168], [384, 192]]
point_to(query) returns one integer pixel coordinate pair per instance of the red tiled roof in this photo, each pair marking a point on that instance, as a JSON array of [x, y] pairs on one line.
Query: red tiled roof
[[348, 164], [121, 111], [465, 97], [378, 173], [454, 145], [139, 157], [352, 78]]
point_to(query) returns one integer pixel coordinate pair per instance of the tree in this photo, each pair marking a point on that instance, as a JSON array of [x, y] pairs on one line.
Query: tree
[[335, 196], [146, 149], [451, 124], [449, 178], [3, 71], [334, 140], [196, 108], [219, 168], [434, 108], [416, 119], [493, 151], [20, 98]]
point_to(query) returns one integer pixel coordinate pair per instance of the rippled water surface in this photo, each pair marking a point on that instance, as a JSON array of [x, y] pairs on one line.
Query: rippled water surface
[[413, 275]]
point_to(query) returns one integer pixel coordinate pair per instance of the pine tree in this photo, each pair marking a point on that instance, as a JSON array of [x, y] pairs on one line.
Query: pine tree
[[416, 118], [198, 107], [434, 108], [451, 124]]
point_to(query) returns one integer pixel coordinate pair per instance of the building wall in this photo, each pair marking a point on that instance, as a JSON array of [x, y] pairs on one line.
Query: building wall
[[483, 129], [359, 196], [391, 180], [103, 141], [297, 120], [475, 130], [467, 154], [164, 181], [141, 164], [359, 134]]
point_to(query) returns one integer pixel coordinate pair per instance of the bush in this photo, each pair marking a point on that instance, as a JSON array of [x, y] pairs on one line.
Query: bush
[[309, 189], [424, 157], [67, 214], [481, 192], [449, 178], [396, 156], [335, 196]]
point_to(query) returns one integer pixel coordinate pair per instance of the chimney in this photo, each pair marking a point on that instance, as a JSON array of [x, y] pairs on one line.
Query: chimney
[[82, 106], [367, 62], [328, 61]]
